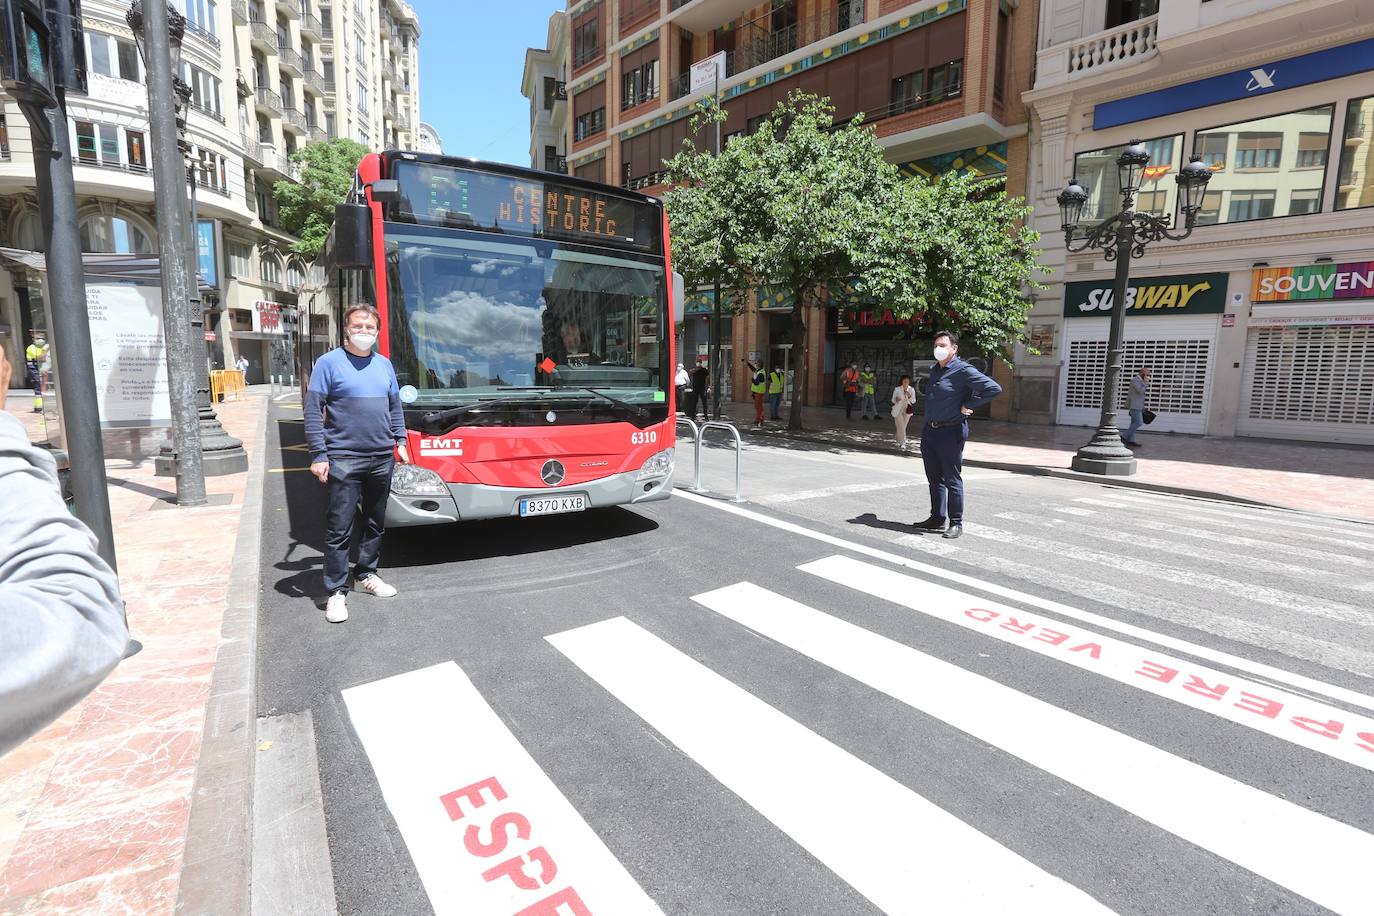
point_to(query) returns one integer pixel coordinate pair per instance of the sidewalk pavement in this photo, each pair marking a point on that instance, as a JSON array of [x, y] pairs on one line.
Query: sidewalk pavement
[[1311, 477], [94, 809]]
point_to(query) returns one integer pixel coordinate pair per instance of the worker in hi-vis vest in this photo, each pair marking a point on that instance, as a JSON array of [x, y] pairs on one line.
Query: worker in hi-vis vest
[[776, 380], [34, 355], [758, 384], [868, 386]]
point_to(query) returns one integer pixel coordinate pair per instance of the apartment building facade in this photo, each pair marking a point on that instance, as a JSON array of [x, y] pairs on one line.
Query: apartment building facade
[[1261, 323], [939, 80], [266, 77], [545, 84]]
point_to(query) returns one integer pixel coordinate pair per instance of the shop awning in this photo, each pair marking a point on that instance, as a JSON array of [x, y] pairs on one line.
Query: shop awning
[[137, 268]]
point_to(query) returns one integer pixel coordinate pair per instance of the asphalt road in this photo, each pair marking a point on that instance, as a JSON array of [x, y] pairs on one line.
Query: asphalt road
[[1097, 699]]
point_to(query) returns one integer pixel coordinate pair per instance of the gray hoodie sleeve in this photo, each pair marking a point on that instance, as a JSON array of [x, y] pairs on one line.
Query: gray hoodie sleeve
[[61, 621]]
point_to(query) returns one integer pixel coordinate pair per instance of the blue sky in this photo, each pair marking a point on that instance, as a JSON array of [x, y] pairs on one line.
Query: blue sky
[[472, 55]]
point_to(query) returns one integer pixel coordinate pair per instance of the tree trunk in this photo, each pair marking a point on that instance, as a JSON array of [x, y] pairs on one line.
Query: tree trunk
[[799, 360]]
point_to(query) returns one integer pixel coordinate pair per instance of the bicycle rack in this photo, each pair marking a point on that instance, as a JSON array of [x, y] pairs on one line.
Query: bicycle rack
[[739, 451]]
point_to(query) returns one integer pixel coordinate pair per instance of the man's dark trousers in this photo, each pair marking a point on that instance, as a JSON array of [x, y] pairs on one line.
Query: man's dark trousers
[[942, 449], [358, 488]]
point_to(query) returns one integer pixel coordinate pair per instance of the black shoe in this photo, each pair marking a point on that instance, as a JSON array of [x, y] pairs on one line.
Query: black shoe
[[1130, 444], [955, 529], [934, 523]]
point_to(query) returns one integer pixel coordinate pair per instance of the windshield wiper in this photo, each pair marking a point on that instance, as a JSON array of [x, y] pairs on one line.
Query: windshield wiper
[[638, 410], [442, 418]]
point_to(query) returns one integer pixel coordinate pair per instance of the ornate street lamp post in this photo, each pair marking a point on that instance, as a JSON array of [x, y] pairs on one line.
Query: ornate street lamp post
[[1122, 237]]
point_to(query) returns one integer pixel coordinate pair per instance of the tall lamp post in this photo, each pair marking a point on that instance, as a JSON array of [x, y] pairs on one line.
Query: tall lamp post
[[1121, 238], [200, 446]]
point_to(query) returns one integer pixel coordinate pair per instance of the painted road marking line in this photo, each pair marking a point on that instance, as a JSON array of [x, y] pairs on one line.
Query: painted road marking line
[[899, 850], [1268, 636], [1104, 503], [1238, 822], [1288, 519], [1258, 669], [823, 492], [1302, 721], [282, 397], [1260, 594], [1070, 510], [489, 832], [1222, 558]]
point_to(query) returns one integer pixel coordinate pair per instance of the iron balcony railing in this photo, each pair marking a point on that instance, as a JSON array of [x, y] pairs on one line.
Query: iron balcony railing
[[756, 44], [310, 26], [268, 99]]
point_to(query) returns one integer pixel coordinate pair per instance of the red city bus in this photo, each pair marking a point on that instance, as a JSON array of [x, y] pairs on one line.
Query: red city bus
[[529, 316]]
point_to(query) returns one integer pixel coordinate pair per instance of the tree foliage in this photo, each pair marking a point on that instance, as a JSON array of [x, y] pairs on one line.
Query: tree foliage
[[810, 208], [306, 207]]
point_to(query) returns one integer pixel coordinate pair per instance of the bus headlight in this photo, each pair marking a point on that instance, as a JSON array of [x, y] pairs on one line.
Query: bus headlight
[[409, 480], [660, 464]]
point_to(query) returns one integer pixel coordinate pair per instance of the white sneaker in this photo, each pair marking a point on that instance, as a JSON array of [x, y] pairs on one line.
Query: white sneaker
[[374, 586], [336, 610]]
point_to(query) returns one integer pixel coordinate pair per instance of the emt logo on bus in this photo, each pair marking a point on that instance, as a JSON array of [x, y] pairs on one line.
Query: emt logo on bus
[[439, 447], [548, 206]]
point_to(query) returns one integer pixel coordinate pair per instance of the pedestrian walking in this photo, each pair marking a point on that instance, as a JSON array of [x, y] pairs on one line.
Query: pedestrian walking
[[1140, 388], [680, 381], [34, 355], [849, 387], [241, 364], [777, 380], [758, 384], [701, 389], [868, 387], [955, 389], [61, 618], [356, 432], [903, 406]]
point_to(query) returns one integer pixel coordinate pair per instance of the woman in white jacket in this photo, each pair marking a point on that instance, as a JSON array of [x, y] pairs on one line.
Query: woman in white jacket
[[903, 404]]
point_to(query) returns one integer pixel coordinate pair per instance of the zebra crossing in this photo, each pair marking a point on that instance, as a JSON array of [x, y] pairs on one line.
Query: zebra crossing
[[491, 832]]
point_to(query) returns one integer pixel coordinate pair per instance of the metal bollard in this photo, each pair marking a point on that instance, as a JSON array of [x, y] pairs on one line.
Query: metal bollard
[[739, 451]]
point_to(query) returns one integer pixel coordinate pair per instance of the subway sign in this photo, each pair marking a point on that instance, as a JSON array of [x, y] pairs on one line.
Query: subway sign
[[1181, 294], [1354, 280]]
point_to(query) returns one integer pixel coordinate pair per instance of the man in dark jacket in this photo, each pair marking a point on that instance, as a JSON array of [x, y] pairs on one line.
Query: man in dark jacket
[[701, 386], [955, 389]]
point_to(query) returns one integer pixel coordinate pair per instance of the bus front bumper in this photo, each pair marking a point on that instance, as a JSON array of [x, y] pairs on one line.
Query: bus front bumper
[[470, 501]]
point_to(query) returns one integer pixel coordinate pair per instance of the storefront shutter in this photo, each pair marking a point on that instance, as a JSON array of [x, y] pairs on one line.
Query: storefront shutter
[[1312, 383]]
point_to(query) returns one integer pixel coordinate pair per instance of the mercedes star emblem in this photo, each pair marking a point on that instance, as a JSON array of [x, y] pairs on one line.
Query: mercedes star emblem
[[552, 472]]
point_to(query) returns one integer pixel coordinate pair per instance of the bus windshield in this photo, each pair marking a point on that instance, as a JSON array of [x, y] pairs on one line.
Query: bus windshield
[[548, 324]]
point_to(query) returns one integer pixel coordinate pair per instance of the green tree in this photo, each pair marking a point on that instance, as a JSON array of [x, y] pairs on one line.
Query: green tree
[[306, 207], [806, 207]]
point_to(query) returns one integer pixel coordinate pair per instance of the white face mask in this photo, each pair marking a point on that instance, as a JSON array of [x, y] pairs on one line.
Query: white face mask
[[941, 354], [362, 341]]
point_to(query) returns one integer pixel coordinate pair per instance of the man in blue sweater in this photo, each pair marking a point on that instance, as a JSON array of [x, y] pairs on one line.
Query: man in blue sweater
[[353, 422], [955, 389]]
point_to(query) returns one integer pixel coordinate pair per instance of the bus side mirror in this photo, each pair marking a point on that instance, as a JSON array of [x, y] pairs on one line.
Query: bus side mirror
[[353, 235], [679, 293]]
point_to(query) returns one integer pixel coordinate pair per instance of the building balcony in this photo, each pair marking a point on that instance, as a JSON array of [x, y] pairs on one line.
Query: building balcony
[[385, 26], [293, 119], [290, 61], [262, 36], [251, 152], [389, 111], [314, 82], [291, 9], [268, 101], [1103, 52], [240, 8], [311, 27], [204, 35], [679, 86], [316, 133], [275, 165]]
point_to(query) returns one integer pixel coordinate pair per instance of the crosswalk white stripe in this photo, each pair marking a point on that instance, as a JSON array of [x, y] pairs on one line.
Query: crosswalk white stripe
[[899, 850], [1298, 523], [1247, 630], [1190, 578], [1257, 706], [1259, 669], [1131, 538], [1228, 535], [439, 750], [840, 490], [1222, 815]]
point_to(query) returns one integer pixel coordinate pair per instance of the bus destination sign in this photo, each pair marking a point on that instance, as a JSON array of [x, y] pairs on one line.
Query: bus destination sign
[[452, 197]]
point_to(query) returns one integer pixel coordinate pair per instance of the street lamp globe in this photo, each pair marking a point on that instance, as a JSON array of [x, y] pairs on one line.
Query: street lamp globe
[[1072, 200], [1192, 185], [1130, 166]]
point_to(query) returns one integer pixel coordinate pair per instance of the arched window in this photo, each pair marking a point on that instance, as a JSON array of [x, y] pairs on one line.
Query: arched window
[[271, 270], [295, 277], [114, 235], [28, 232]]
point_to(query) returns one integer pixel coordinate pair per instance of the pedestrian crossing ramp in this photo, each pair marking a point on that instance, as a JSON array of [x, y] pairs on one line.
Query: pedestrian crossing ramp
[[490, 832]]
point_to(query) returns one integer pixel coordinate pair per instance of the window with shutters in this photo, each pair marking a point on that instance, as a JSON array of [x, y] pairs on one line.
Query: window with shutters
[[589, 124], [1178, 373], [1268, 167], [240, 261], [1312, 375], [586, 42]]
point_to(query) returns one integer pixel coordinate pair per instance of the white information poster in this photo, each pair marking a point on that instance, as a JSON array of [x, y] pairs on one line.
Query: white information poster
[[128, 353]]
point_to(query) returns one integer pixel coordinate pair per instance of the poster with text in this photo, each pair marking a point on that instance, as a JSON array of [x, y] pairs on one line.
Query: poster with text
[[128, 354]]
